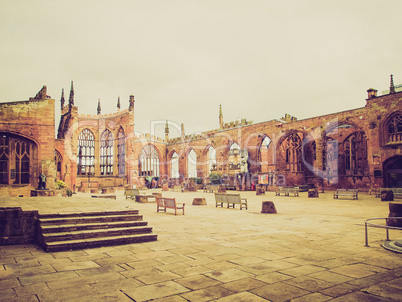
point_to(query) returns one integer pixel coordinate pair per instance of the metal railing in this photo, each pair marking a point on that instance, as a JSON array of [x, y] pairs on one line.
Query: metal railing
[[387, 227]]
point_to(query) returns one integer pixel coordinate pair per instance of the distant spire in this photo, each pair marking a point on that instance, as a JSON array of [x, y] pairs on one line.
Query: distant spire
[[62, 100], [182, 131], [167, 131], [99, 107], [220, 117], [71, 100], [391, 86], [118, 103], [131, 106]]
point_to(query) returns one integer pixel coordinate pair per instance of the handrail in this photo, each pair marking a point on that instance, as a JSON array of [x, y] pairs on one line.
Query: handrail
[[387, 227]]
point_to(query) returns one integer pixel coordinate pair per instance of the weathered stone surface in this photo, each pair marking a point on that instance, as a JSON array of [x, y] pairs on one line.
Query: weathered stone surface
[[268, 207], [199, 201], [387, 195], [313, 193], [395, 210]]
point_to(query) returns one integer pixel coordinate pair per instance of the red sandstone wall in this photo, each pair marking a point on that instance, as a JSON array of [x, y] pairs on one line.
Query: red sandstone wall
[[35, 120]]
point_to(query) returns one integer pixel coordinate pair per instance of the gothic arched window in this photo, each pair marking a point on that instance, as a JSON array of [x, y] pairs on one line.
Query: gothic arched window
[[106, 153], [86, 153], [355, 148], [211, 159], [15, 159], [148, 161], [121, 153], [292, 147], [395, 129], [58, 160], [175, 165], [192, 164]]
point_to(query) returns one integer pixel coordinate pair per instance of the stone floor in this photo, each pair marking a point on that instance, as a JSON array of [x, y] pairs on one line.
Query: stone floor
[[312, 250]]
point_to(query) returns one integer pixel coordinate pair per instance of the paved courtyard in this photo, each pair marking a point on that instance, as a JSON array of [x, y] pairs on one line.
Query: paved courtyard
[[312, 250]]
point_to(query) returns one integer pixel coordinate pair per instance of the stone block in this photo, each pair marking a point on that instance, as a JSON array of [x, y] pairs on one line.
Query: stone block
[[387, 195], [268, 207], [313, 193], [199, 201], [395, 210]]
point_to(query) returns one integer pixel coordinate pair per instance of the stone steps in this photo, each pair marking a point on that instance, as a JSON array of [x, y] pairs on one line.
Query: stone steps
[[60, 232]]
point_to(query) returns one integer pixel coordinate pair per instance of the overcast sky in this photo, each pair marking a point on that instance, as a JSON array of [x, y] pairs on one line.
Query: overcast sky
[[181, 59]]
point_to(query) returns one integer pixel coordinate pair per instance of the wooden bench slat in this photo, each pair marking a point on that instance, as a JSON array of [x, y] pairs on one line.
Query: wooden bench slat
[[230, 199], [163, 203]]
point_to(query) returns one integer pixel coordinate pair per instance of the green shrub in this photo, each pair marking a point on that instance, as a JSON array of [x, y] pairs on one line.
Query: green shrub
[[69, 192], [60, 184], [215, 178]]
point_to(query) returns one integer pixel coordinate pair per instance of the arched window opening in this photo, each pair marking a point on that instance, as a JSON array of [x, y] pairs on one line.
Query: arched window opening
[[15, 159], [86, 153], [148, 161], [263, 154], [58, 159], [211, 159], [355, 149], [234, 157], [106, 153], [292, 147], [395, 129], [175, 166], [121, 153], [192, 164]]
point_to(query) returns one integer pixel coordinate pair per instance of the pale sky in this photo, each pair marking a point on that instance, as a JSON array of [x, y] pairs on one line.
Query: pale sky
[[181, 59]]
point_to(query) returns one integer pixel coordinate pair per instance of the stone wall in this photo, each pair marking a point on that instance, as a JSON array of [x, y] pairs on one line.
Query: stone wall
[[17, 226]]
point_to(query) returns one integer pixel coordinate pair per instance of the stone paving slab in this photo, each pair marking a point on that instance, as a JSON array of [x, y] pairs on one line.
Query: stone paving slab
[[312, 250]]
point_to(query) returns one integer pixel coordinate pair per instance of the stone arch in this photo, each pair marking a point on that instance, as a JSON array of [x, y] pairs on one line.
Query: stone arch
[[86, 152], [121, 152], [149, 160], [289, 153], [191, 163], [210, 163], [19, 160], [106, 154], [392, 129], [173, 164], [58, 158], [392, 175]]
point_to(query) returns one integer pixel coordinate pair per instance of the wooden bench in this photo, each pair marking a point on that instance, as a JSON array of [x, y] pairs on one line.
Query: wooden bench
[[346, 192], [135, 194], [211, 188], [230, 199], [396, 191], [162, 203], [287, 191]]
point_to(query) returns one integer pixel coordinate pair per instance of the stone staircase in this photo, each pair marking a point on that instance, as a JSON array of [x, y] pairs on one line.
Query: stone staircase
[[61, 232]]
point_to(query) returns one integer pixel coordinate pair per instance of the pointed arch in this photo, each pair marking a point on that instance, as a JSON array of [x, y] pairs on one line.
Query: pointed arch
[[292, 147], [121, 152], [191, 163], [16, 159], [174, 165], [148, 161], [106, 153], [86, 153], [355, 153], [59, 162], [211, 158], [393, 129]]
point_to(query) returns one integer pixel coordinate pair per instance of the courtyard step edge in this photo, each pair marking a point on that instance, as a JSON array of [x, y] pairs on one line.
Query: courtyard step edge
[[70, 231]]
